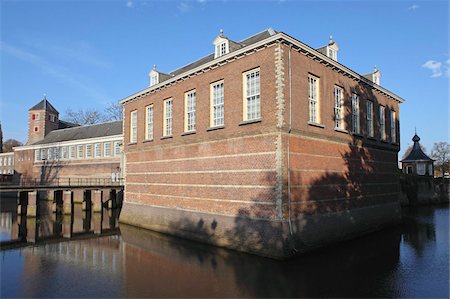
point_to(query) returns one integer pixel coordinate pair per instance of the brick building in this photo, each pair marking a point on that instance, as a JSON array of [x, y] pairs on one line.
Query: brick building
[[266, 145], [57, 149]]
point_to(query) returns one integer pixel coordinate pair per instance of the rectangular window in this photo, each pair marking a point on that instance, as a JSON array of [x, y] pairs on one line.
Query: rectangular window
[[33, 116], [133, 126], [149, 123], [252, 100], [313, 96], [168, 117], [189, 108], [38, 116], [43, 154], [382, 123], [107, 149], [37, 156], [338, 109], [393, 127], [49, 153], [217, 104], [1, 159], [71, 152], [63, 152], [88, 151], [369, 118], [355, 114], [79, 151], [56, 153], [9, 161], [116, 148], [97, 150]]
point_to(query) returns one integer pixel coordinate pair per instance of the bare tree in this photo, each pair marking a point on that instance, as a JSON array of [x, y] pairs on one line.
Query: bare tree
[[441, 153], [92, 116], [9, 144], [113, 112], [83, 116]]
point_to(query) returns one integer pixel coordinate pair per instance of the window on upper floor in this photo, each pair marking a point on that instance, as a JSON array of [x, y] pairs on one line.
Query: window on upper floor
[[43, 154], [313, 97], [252, 95], [88, 150], [107, 149], [382, 123], [154, 79], [49, 154], [393, 127], [97, 150], [189, 108], [355, 114], [116, 148], [167, 125], [63, 152], [217, 104], [149, 122], [79, 151], [37, 155], [71, 152], [56, 153], [133, 126], [369, 118], [338, 107], [36, 129], [222, 48]]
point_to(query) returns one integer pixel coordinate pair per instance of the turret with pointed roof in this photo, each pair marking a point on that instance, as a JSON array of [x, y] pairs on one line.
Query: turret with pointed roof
[[42, 119], [417, 162]]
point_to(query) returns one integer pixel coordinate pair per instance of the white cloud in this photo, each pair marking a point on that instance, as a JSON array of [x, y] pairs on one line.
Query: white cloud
[[183, 7], [435, 67], [413, 7], [129, 4], [201, 1]]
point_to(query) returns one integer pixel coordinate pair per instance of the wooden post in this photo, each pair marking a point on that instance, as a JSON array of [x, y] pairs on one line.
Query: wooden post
[[97, 200], [67, 202], [33, 200]]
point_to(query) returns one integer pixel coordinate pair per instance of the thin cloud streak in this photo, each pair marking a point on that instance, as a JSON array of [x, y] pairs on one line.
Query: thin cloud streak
[[54, 71], [435, 68], [413, 7]]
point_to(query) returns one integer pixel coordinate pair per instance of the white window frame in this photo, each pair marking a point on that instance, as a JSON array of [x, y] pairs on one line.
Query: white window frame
[[190, 103], [356, 128], [369, 118], [79, 151], [421, 168], [133, 126], [217, 103], [338, 107], [88, 151], [314, 99], [382, 112], [393, 127], [43, 154], [107, 149], [63, 152], [154, 79], [149, 122], [49, 153], [37, 117], [56, 153], [116, 148], [168, 117], [222, 49], [37, 156], [71, 152], [97, 150], [252, 94]]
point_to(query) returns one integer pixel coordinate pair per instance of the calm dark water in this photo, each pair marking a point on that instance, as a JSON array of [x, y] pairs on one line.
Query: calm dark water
[[82, 257]]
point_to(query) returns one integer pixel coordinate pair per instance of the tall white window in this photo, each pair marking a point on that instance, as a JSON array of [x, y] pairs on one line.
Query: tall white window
[[154, 79], [338, 109], [355, 114], [369, 118], [252, 105], [382, 123], [189, 106], [393, 129], [63, 152], [37, 156], [43, 154], [221, 49], [133, 126], [79, 151], [56, 153], [217, 104], [49, 153], [88, 150], [149, 123], [71, 151], [107, 149], [168, 105], [97, 150], [313, 96], [116, 148]]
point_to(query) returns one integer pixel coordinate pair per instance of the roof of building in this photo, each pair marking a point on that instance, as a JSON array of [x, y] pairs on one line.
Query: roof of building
[[246, 42], [44, 105], [83, 132], [416, 153], [62, 124]]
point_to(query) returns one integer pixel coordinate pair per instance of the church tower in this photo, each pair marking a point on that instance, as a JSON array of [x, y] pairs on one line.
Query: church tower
[[42, 119]]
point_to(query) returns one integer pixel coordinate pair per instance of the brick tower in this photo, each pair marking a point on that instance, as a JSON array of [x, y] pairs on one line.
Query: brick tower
[[42, 119]]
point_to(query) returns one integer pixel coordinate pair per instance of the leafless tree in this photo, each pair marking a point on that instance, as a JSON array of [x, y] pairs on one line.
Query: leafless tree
[[9, 144], [113, 112], [441, 153], [93, 116]]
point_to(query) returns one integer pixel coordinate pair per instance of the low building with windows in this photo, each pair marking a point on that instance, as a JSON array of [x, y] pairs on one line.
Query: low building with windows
[[266, 145], [417, 162], [7, 163], [57, 149]]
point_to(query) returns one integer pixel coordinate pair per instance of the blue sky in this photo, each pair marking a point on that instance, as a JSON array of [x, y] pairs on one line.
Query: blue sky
[[86, 54]]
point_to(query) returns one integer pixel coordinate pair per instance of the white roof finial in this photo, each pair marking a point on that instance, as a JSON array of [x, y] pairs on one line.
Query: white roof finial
[[375, 69], [221, 32], [154, 67], [331, 39]]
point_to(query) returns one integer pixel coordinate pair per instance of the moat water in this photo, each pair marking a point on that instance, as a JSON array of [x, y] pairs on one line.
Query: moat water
[[93, 256]]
